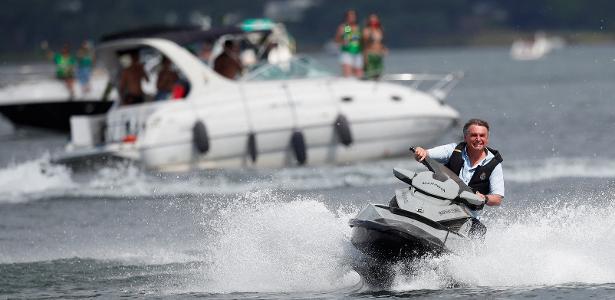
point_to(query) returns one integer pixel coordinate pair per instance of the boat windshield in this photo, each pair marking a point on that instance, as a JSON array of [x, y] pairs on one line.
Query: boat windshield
[[296, 68]]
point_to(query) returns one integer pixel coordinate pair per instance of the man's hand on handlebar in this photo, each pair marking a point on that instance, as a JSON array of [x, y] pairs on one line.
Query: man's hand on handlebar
[[484, 197], [420, 154]]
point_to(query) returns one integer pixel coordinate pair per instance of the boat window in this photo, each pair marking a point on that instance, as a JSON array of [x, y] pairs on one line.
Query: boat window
[[153, 77], [295, 68]]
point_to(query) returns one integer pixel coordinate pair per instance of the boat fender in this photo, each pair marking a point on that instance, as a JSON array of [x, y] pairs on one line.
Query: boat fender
[[200, 137], [297, 142], [252, 150], [342, 129]]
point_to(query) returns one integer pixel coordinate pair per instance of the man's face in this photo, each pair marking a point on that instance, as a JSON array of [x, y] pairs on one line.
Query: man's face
[[477, 137]]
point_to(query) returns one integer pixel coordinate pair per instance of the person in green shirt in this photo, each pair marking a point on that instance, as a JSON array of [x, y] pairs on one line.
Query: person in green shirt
[[65, 66], [348, 36]]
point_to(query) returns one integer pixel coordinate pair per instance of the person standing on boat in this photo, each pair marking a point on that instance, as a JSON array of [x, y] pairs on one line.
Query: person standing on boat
[[348, 36], [228, 63], [130, 81], [479, 166], [373, 48], [167, 78], [85, 61], [65, 66]]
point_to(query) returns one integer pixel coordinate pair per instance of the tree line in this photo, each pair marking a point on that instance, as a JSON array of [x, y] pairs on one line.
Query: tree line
[[25, 23]]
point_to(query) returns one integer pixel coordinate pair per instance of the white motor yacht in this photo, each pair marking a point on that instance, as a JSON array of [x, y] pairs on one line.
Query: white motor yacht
[[287, 114]]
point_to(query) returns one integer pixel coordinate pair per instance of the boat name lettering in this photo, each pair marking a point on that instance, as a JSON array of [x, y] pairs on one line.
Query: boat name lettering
[[434, 184], [449, 211]]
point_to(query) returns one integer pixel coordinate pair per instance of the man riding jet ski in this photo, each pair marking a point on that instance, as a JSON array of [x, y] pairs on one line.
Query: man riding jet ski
[[437, 212], [432, 215], [478, 165]]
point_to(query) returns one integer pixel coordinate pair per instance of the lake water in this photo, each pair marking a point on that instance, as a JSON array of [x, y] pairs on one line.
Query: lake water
[[277, 234]]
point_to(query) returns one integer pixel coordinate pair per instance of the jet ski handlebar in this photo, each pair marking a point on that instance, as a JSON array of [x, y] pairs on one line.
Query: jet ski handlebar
[[441, 172], [427, 162]]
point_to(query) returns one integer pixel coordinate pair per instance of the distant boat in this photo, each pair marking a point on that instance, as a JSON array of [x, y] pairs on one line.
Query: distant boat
[[536, 48], [274, 116], [44, 102]]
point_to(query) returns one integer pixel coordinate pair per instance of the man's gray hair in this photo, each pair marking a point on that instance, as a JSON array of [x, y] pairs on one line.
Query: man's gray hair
[[477, 122]]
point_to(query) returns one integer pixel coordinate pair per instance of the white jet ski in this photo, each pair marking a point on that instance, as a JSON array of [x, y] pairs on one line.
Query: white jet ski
[[431, 216]]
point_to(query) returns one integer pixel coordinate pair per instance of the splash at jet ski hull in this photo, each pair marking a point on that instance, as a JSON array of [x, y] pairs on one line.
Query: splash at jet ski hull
[[386, 236], [390, 233], [430, 217], [389, 243]]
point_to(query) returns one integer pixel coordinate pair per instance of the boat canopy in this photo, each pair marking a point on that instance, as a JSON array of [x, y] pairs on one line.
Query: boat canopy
[[182, 35]]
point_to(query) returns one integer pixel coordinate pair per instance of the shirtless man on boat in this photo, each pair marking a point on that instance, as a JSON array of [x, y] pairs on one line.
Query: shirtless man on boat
[[130, 81]]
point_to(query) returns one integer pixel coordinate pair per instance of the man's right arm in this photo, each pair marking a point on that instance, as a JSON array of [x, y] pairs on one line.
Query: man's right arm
[[420, 154], [440, 153], [496, 186]]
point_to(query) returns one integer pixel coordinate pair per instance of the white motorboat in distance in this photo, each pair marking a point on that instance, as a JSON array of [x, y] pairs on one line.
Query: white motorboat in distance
[[293, 113], [45, 102], [536, 47]]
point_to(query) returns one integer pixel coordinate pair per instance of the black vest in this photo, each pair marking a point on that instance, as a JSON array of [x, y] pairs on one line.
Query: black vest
[[480, 180]]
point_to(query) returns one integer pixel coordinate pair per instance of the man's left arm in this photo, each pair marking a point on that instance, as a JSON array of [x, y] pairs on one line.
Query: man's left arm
[[496, 187]]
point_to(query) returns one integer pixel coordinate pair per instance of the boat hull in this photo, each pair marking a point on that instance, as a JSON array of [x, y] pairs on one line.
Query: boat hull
[[274, 149], [279, 122], [52, 115], [371, 140]]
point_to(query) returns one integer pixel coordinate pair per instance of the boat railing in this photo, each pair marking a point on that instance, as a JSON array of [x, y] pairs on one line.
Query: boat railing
[[440, 84]]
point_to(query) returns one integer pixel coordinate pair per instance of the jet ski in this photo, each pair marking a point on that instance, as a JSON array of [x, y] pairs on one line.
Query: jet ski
[[430, 216]]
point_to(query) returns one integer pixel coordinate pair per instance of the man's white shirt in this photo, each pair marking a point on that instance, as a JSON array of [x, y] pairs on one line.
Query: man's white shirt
[[496, 181]]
